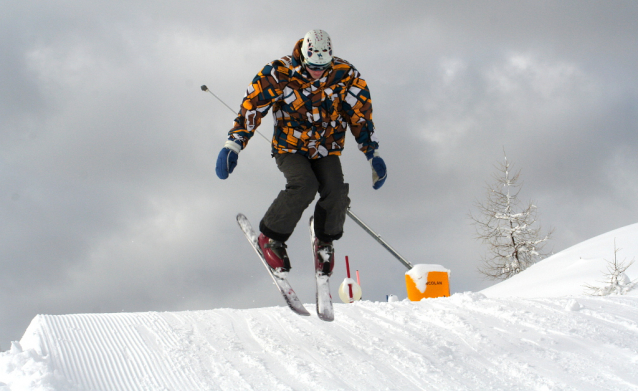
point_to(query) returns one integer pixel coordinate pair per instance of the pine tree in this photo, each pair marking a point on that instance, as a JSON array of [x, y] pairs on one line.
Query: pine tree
[[616, 281], [511, 232]]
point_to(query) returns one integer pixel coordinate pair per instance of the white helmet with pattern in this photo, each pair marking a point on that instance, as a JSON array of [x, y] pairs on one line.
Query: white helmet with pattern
[[316, 50]]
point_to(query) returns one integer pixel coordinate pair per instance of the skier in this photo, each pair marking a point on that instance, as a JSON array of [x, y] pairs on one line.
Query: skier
[[314, 96]]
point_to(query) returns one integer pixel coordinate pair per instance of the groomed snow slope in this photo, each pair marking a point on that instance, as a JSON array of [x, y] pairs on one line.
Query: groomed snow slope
[[470, 341], [465, 342]]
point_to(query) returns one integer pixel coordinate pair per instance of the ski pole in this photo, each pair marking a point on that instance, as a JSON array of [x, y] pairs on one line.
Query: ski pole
[[349, 212], [205, 89], [379, 239]]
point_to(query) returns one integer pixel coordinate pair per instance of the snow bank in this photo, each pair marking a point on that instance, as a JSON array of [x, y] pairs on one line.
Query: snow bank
[[28, 370], [551, 337], [567, 272], [463, 342]]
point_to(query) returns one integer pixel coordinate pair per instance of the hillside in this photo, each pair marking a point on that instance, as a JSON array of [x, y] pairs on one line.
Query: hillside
[[536, 331], [567, 272]]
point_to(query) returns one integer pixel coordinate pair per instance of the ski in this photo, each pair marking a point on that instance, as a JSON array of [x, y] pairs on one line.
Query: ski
[[324, 299], [280, 280]]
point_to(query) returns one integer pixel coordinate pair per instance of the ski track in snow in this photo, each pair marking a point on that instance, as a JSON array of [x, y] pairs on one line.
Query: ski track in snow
[[464, 342], [534, 331]]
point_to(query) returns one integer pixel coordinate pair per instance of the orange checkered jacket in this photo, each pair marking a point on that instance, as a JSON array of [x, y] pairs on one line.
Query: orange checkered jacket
[[310, 116]]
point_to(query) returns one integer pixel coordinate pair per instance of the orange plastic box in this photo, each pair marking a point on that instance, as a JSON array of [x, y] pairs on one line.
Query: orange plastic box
[[427, 281]]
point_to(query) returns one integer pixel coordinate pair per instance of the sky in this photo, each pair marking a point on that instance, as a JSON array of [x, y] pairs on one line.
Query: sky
[[109, 200]]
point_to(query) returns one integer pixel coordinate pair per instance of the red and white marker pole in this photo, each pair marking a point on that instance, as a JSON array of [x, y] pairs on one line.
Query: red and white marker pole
[[349, 285], [353, 291]]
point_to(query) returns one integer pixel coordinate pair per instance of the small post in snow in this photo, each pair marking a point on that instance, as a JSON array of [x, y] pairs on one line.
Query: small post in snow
[[353, 292]]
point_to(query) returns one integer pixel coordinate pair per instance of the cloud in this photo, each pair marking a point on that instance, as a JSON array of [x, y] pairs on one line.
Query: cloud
[[108, 196]]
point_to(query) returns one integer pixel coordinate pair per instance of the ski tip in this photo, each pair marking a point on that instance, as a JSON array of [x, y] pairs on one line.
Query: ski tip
[[241, 218], [299, 310]]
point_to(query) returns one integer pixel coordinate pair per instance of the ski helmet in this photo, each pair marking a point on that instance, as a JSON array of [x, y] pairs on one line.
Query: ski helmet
[[316, 50]]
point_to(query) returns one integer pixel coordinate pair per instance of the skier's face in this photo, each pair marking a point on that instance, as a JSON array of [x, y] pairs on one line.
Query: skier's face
[[315, 74]]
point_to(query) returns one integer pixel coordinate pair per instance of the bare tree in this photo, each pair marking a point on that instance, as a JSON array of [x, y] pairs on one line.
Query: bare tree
[[511, 231], [616, 281]]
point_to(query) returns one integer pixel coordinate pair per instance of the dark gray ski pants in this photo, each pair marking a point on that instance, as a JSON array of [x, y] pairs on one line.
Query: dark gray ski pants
[[305, 178]]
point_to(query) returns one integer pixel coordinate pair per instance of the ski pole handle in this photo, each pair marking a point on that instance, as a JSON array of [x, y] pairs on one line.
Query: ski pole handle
[[205, 89]]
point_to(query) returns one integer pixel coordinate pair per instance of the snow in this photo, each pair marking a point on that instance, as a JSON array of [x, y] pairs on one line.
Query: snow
[[535, 331], [568, 272]]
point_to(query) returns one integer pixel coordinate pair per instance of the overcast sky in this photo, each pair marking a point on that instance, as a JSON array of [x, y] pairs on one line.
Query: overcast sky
[[108, 196]]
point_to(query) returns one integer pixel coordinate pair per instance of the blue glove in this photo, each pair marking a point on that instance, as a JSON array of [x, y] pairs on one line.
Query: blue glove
[[227, 158], [379, 171]]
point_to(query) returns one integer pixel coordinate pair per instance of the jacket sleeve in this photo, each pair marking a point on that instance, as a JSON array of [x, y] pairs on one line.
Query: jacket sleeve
[[357, 109], [260, 96]]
